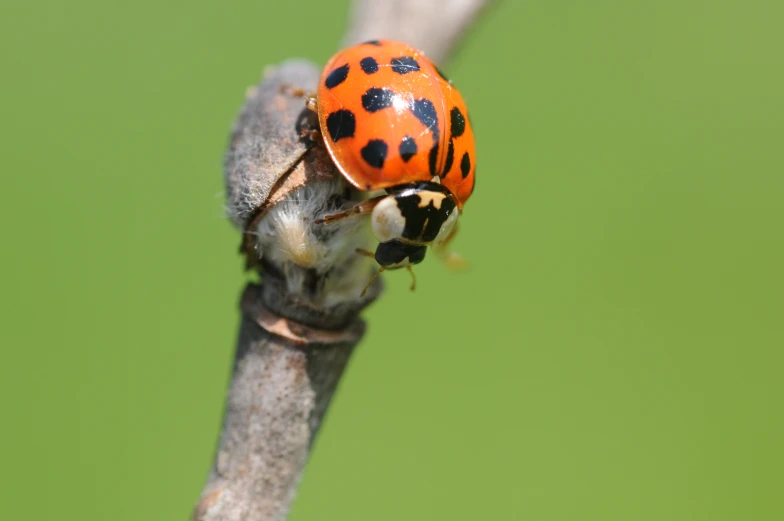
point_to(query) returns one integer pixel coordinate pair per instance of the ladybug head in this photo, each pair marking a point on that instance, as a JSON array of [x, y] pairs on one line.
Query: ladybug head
[[409, 219], [396, 254]]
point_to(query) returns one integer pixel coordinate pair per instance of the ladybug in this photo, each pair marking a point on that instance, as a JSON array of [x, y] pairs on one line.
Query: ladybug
[[392, 121]]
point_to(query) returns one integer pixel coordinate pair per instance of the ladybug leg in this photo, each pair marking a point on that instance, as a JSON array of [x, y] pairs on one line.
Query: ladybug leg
[[311, 103], [364, 207], [453, 261], [297, 92], [311, 133]]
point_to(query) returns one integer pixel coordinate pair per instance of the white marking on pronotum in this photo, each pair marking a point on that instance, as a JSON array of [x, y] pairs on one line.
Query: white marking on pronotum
[[387, 221], [426, 197]]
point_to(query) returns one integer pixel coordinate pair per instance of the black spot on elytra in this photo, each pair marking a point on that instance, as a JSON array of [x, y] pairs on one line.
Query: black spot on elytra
[[376, 99], [457, 122], [407, 148], [340, 124], [450, 158], [336, 77], [404, 65], [425, 111], [465, 165], [375, 152], [395, 252], [443, 76], [372, 42], [433, 159], [422, 223], [369, 65]]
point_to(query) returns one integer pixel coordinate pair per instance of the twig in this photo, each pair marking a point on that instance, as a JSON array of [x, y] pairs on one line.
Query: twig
[[433, 26], [301, 324]]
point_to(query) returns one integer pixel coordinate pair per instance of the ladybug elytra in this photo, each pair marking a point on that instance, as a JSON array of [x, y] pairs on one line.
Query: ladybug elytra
[[390, 120]]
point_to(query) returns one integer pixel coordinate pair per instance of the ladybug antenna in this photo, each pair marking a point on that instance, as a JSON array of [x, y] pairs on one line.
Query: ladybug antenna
[[413, 277]]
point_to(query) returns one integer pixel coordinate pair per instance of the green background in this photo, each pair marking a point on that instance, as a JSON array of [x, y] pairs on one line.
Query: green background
[[615, 352]]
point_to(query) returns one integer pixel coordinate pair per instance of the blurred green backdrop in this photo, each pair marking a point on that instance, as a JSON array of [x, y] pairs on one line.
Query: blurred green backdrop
[[614, 354]]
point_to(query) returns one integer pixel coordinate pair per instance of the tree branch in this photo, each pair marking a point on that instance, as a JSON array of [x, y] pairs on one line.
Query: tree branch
[[301, 324], [433, 26], [278, 397]]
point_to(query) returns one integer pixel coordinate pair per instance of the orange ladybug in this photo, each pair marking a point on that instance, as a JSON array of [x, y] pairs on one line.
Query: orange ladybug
[[390, 120]]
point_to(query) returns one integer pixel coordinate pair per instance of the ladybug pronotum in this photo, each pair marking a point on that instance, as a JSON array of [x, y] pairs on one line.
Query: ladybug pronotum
[[391, 121]]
